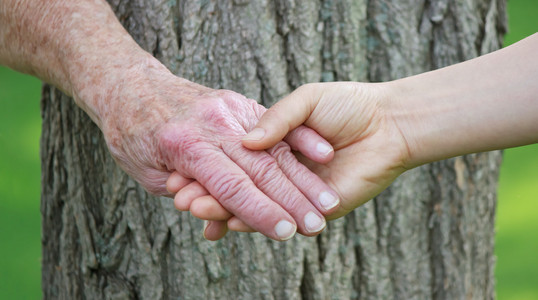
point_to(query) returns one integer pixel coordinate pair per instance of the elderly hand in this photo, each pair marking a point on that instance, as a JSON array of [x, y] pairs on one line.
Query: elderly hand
[[160, 123], [155, 123]]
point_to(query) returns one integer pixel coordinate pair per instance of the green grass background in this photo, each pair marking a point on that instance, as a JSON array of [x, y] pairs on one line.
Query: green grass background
[[20, 243], [516, 241]]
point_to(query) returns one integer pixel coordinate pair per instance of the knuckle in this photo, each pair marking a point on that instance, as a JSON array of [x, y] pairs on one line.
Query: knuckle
[[282, 153], [227, 94], [264, 171], [301, 138], [220, 115], [180, 145], [245, 206], [302, 133], [292, 168], [230, 97], [228, 187], [293, 202], [234, 195], [267, 175]]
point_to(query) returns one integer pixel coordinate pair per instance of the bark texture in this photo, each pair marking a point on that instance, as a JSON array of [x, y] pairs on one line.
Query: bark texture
[[429, 236]]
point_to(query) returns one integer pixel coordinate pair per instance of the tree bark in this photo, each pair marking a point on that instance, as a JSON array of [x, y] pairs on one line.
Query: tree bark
[[428, 236]]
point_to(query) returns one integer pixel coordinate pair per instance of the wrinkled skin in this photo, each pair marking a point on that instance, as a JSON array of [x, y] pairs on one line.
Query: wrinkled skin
[[169, 124], [370, 150]]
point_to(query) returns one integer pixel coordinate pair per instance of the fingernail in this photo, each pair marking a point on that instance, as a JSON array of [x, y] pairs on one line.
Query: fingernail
[[255, 135], [206, 224], [285, 230], [328, 200], [324, 149], [313, 223]]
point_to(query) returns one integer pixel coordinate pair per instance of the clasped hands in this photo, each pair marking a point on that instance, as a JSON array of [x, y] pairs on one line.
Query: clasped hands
[[194, 139], [228, 160]]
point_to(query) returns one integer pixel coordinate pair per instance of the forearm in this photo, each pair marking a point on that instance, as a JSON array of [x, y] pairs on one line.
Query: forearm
[[78, 46], [487, 103]]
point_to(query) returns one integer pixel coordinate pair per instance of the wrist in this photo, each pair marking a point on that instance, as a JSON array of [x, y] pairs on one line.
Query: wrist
[[100, 82], [436, 118], [411, 116], [133, 94]]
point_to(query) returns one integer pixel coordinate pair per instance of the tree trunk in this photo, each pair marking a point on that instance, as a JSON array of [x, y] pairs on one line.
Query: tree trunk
[[429, 236]]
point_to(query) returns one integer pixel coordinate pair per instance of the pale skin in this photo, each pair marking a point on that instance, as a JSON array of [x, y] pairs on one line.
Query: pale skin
[[155, 123], [380, 130]]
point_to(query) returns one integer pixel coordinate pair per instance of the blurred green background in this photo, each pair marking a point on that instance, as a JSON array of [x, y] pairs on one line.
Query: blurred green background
[[20, 243]]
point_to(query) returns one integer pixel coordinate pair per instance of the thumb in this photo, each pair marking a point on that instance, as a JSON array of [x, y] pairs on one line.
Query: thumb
[[283, 117]]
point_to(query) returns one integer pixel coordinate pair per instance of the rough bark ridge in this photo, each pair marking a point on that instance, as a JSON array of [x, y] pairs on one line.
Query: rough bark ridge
[[429, 236]]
